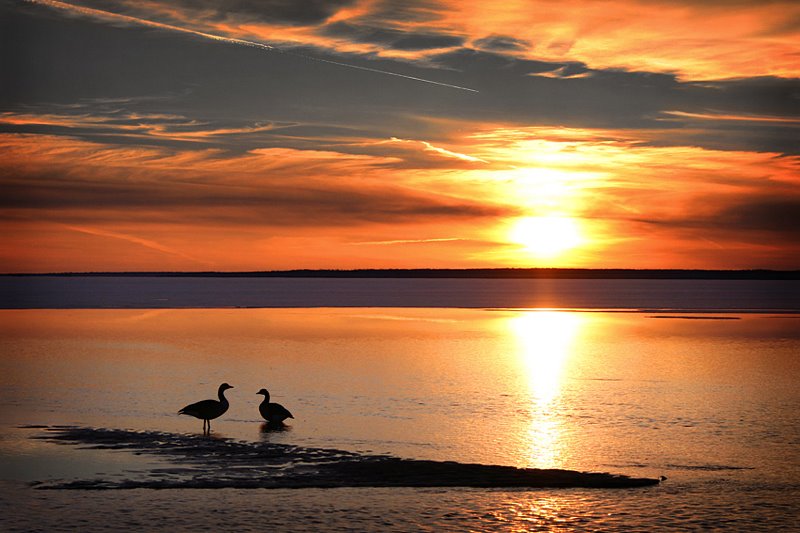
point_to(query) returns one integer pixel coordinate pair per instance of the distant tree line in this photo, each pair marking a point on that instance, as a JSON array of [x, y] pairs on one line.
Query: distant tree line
[[466, 273]]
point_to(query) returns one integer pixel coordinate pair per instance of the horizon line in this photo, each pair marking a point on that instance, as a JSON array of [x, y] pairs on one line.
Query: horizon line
[[475, 273]]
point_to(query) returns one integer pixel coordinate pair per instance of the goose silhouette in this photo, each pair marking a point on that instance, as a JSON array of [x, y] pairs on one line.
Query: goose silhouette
[[273, 413], [207, 410]]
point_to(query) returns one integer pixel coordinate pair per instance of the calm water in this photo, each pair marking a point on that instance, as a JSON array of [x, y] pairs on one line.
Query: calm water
[[23, 292], [708, 400]]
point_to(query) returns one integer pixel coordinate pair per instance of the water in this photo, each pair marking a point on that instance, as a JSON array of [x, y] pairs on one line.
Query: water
[[707, 399], [171, 292]]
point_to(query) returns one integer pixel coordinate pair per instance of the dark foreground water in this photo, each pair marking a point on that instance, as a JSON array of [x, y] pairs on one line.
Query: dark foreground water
[[681, 507], [707, 399]]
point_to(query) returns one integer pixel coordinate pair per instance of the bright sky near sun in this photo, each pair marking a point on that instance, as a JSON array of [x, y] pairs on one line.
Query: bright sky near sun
[[280, 134]]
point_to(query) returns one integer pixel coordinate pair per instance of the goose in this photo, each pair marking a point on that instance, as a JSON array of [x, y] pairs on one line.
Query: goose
[[273, 413], [207, 410]]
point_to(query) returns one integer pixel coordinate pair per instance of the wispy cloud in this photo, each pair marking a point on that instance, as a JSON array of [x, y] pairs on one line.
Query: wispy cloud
[[791, 121], [106, 15], [696, 40], [206, 186], [563, 73], [428, 147], [407, 241]]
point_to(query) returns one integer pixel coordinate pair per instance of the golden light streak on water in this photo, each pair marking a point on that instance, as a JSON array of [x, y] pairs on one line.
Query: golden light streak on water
[[545, 340]]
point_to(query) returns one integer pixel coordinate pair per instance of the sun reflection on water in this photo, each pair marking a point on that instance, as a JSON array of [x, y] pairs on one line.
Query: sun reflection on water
[[545, 340]]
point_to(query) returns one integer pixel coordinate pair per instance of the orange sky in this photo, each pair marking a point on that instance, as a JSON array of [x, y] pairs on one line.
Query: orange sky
[[620, 134]]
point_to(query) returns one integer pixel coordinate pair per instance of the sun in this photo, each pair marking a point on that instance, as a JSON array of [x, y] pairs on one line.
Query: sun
[[547, 236]]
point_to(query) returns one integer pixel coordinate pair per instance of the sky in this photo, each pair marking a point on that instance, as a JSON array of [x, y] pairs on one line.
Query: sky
[[239, 135]]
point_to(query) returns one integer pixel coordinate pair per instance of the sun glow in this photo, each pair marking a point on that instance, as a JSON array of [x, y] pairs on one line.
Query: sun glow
[[547, 237]]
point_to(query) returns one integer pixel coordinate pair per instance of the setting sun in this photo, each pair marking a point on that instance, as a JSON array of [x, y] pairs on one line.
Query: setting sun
[[547, 237]]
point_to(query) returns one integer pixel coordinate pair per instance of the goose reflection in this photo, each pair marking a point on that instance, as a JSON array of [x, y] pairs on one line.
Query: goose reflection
[[274, 427]]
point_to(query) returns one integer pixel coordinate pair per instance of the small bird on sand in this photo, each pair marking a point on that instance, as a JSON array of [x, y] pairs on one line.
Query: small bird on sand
[[207, 410], [273, 413]]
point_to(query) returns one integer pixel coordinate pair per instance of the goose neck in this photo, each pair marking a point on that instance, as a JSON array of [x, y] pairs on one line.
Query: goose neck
[[221, 394]]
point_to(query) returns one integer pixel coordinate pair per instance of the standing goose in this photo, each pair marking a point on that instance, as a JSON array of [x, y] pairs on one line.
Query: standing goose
[[273, 413], [207, 410]]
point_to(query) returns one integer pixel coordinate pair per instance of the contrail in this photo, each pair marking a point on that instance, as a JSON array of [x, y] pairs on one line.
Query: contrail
[[97, 13], [147, 243], [406, 241]]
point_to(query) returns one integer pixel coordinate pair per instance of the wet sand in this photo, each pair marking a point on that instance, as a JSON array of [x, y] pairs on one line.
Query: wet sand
[[208, 462]]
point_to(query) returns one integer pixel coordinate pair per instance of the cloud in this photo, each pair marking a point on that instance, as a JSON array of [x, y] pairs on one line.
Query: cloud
[[566, 72], [428, 147], [694, 40], [741, 219], [290, 12], [393, 38], [175, 74], [425, 12], [68, 181], [776, 215], [501, 43], [219, 38], [137, 127], [202, 204], [790, 121]]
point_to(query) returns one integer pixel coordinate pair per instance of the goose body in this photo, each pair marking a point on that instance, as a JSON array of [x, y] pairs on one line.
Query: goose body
[[207, 410], [273, 413]]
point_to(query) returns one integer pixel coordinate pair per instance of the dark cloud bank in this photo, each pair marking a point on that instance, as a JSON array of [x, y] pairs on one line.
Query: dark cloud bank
[[52, 60]]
